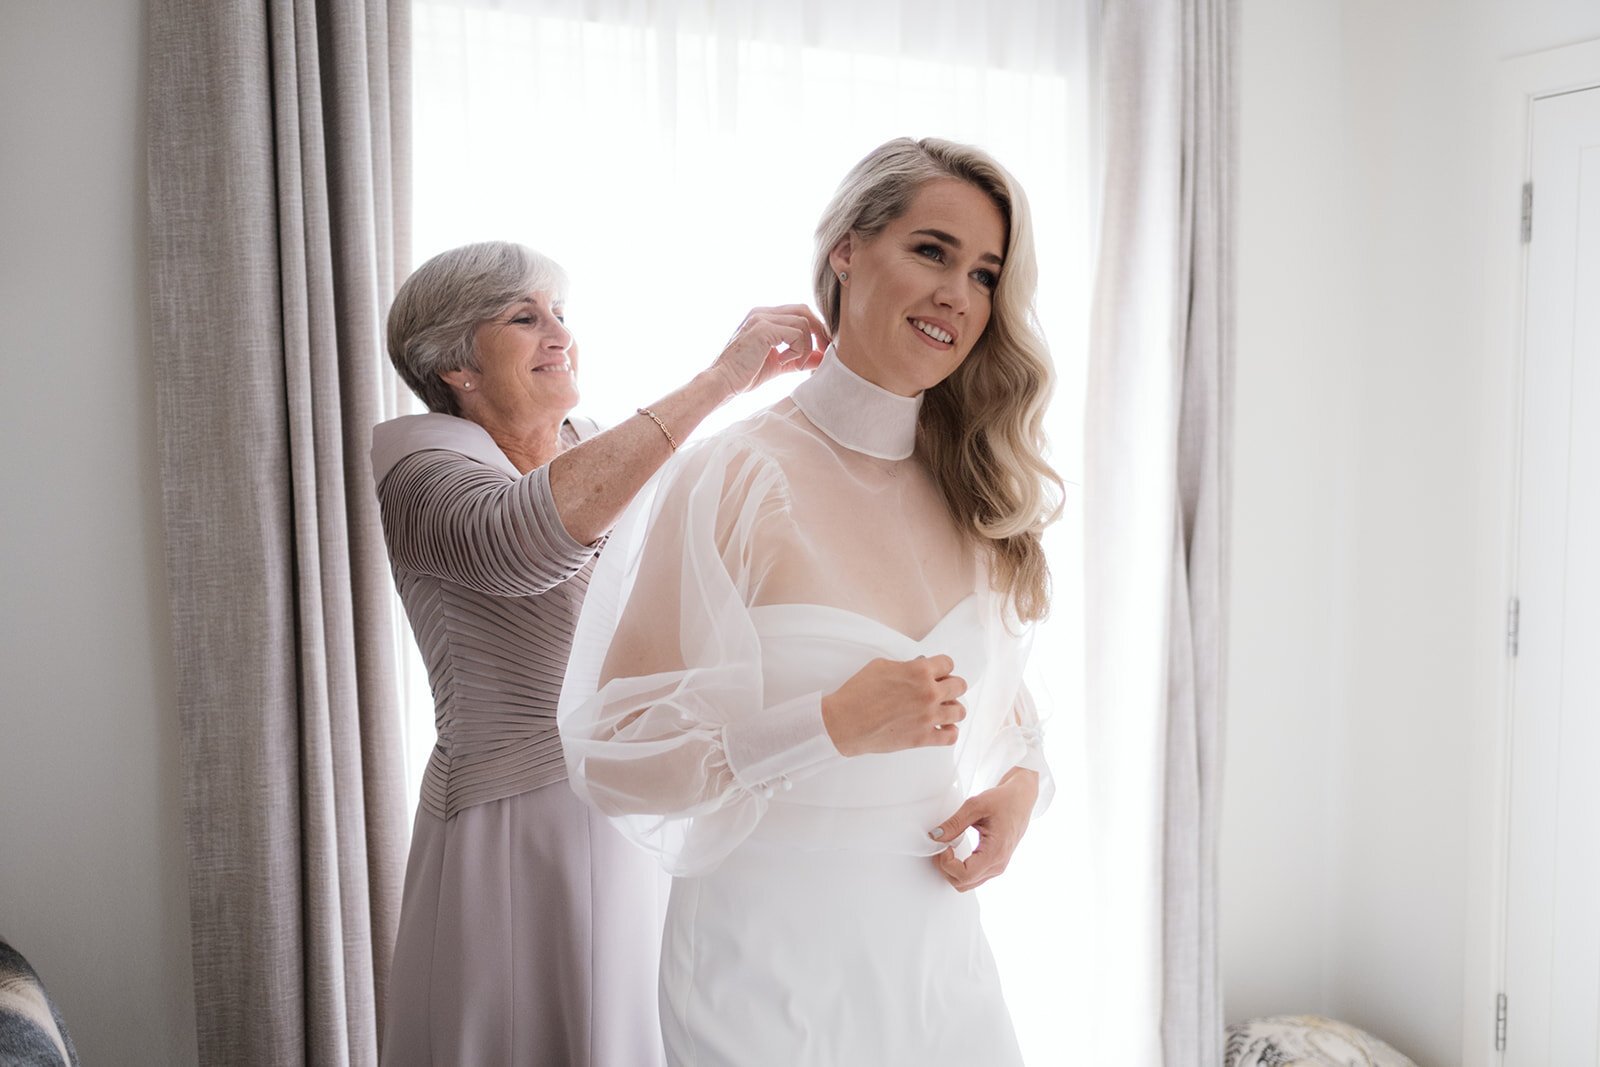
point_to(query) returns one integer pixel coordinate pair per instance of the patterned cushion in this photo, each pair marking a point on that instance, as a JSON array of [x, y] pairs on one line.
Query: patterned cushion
[[31, 1031], [1306, 1041]]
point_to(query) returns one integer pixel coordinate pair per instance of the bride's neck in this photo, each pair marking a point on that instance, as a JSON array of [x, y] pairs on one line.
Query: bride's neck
[[867, 371], [857, 412]]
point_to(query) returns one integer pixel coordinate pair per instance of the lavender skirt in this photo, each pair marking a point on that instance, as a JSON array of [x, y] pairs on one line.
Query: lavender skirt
[[530, 933]]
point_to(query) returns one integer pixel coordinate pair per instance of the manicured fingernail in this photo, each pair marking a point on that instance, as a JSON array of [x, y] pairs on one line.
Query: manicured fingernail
[[937, 833]]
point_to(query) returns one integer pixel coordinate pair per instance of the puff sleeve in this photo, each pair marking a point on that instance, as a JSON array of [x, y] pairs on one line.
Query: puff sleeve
[[663, 719]]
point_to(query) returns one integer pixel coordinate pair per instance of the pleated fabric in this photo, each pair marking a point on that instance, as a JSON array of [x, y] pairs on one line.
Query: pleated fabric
[[529, 928], [492, 584]]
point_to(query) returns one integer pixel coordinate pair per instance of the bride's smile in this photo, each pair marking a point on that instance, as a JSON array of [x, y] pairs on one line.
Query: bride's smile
[[916, 296]]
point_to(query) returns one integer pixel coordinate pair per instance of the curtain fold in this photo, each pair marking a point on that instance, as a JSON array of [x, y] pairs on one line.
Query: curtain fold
[[279, 200], [1158, 429]]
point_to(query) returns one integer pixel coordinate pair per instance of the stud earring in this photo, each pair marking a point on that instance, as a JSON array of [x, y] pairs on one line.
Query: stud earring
[[843, 275]]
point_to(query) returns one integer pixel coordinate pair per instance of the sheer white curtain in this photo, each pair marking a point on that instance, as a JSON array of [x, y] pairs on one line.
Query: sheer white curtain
[[675, 158], [1157, 490]]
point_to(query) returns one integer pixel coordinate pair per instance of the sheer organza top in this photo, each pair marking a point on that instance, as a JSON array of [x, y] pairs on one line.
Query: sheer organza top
[[766, 566]]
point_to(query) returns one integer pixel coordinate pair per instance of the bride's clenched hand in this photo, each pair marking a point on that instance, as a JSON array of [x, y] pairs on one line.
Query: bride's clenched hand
[[890, 705], [1000, 815], [768, 342]]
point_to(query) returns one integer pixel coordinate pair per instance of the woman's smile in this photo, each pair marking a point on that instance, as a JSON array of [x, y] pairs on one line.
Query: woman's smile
[[940, 335], [916, 296]]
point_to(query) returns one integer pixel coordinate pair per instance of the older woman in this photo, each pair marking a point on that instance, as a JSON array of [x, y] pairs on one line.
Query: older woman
[[529, 926], [798, 676]]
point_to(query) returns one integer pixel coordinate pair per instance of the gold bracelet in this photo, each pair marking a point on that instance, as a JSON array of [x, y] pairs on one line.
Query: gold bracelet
[[653, 417]]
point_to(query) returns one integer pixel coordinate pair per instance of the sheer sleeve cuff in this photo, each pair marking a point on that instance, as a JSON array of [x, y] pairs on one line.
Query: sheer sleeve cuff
[[766, 749], [1033, 759]]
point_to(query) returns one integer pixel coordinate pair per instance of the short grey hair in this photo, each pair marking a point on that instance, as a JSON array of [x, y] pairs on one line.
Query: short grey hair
[[436, 314]]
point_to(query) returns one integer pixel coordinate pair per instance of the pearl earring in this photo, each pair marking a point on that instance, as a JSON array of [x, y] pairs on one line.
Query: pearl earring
[[842, 276]]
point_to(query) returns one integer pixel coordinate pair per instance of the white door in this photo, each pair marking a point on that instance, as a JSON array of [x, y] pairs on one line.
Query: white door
[[1553, 886]]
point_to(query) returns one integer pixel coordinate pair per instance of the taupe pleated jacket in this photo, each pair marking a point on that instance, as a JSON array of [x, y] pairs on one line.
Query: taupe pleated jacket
[[492, 583]]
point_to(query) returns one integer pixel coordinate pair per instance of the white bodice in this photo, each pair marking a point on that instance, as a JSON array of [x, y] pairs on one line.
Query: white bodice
[[882, 802], [768, 565]]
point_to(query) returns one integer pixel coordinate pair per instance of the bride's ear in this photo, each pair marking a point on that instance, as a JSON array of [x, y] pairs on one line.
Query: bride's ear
[[839, 257]]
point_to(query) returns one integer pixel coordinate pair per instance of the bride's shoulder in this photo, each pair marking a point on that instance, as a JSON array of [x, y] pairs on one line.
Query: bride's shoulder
[[741, 461], [764, 439]]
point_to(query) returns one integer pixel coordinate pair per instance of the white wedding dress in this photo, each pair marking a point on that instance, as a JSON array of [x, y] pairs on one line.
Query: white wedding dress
[[807, 923]]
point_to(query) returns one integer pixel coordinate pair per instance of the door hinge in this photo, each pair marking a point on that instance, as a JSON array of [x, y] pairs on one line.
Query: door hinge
[[1527, 212], [1500, 1023], [1513, 625]]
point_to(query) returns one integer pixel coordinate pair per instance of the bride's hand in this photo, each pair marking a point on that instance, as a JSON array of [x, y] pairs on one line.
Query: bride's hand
[[769, 342], [890, 705], [1000, 816]]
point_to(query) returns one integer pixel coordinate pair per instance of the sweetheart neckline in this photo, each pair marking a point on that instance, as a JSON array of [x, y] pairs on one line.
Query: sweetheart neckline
[[868, 619]]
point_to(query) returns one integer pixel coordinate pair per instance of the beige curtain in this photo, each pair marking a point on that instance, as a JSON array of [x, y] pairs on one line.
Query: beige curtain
[[1156, 523], [278, 202]]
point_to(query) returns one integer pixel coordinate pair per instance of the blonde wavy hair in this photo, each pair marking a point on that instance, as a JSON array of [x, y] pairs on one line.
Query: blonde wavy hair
[[981, 430]]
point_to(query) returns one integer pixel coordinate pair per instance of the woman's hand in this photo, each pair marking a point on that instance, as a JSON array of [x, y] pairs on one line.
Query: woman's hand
[[593, 482], [1000, 816], [753, 357], [890, 705]]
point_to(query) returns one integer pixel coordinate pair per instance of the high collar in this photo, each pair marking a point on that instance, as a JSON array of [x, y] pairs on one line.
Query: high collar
[[859, 415]]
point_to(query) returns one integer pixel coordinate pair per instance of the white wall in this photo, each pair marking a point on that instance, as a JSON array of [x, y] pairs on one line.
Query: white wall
[[1292, 432], [1370, 502], [92, 867], [1517, 27], [1400, 759]]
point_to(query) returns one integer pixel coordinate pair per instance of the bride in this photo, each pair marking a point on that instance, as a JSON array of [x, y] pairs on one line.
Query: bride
[[797, 677]]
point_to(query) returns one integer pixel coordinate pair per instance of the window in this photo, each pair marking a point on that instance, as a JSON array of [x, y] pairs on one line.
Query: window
[[675, 159]]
